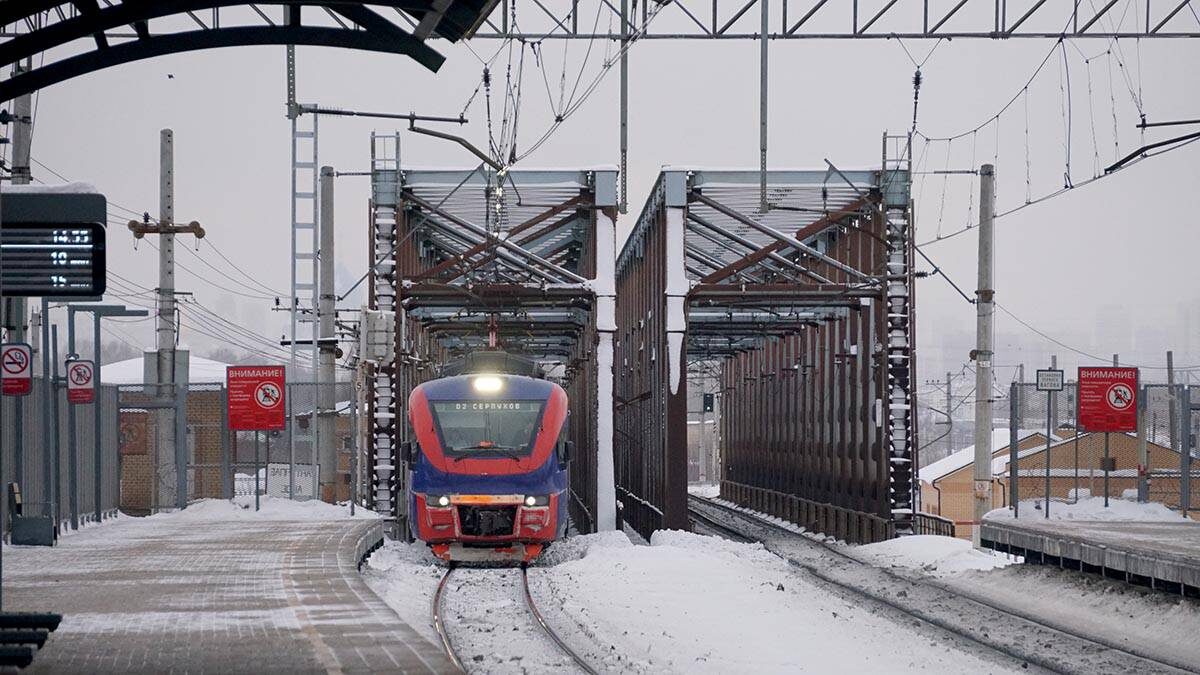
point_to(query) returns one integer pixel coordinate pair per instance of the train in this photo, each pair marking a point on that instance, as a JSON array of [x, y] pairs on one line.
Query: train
[[488, 471]]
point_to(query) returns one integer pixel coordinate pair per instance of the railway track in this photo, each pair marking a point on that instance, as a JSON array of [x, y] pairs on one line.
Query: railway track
[[440, 624], [922, 600]]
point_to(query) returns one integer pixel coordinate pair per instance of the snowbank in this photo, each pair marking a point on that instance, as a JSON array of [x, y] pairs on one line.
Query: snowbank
[[1093, 508], [271, 508], [706, 490], [929, 553]]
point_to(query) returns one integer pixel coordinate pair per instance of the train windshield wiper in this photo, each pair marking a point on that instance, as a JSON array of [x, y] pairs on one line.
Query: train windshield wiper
[[496, 449]]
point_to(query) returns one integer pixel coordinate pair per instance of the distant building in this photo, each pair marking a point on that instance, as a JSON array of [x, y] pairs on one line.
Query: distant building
[[947, 485], [1076, 472]]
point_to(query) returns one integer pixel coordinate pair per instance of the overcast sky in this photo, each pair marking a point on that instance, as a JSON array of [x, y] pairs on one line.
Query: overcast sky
[[1100, 268]]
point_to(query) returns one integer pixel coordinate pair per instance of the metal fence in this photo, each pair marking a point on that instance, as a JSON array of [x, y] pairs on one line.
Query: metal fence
[[219, 463], [57, 472], [1054, 461]]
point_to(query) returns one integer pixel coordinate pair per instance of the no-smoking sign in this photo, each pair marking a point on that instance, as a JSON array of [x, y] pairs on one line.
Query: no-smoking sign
[[256, 398], [81, 382], [1108, 399], [16, 369]]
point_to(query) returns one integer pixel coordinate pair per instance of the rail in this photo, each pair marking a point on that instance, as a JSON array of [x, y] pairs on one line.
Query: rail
[[439, 624], [924, 596]]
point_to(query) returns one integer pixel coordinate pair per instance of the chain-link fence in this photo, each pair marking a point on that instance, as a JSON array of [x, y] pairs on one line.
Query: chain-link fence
[[1052, 460], [52, 458]]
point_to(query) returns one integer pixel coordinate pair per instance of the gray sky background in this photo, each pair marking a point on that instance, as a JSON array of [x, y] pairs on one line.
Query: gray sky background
[[1107, 268]]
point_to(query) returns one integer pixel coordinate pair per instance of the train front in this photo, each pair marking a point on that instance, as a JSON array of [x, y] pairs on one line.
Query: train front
[[489, 471]]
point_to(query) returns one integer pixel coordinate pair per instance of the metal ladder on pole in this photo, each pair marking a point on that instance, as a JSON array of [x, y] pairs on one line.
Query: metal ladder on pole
[[305, 245], [901, 337], [386, 476]]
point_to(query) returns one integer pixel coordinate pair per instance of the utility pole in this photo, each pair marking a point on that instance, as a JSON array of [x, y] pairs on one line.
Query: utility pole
[[166, 334], [949, 417], [327, 344], [985, 309], [762, 105], [15, 308], [1172, 400]]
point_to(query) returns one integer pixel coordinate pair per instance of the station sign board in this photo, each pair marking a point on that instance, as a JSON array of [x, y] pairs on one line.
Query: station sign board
[[1050, 379], [16, 369], [1108, 399], [256, 398], [81, 382]]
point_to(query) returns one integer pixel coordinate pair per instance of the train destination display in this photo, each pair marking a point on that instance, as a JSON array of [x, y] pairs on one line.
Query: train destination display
[[39, 259]]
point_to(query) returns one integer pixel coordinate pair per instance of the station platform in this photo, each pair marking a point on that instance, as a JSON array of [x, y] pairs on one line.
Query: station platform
[[1161, 554], [180, 594]]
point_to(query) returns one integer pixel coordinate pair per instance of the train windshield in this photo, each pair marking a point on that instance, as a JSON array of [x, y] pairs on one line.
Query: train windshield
[[487, 428]]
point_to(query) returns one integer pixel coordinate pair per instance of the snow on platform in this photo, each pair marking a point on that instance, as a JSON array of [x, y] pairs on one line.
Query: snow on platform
[[1146, 541], [929, 553], [216, 588], [1092, 509], [685, 603]]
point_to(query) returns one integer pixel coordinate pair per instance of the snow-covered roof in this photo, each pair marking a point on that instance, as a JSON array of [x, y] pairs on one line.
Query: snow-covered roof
[[64, 188], [131, 371], [966, 456]]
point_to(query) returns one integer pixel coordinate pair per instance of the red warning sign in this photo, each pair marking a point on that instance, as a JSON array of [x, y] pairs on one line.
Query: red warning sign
[[256, 398], [1108, 399], [81, 382], [16, 369]]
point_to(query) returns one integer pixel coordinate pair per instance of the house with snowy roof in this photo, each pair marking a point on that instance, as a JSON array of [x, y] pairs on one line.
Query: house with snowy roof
[[947, 485], [1076, 472], [1076, 469]]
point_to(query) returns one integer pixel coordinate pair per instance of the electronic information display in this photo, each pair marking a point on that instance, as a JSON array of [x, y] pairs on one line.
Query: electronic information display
[[52, 259]]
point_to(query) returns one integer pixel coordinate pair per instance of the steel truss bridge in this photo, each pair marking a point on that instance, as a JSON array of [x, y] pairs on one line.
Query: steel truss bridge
[[805, 309], [526, 256]]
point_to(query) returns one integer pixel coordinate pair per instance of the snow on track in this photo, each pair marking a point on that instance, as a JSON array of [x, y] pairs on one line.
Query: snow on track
[[685, 603]]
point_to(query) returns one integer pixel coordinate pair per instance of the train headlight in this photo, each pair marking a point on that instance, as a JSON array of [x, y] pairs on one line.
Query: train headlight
[[487, 384], [441, 500], [537, 500]]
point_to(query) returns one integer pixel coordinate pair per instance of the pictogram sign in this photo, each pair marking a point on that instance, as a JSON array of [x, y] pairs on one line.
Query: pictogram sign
[[16, 369], [256, 398], [1108, 399], [81, 382]]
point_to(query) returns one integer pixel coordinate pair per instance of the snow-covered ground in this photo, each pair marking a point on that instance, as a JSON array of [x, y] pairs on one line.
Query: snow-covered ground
[[706, 490], [934, 555], [685, 603], [1092, 508], [270, 508]]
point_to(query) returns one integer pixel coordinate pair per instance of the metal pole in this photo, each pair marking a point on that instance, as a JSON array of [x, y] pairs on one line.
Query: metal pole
[[56, 493], [1049, 428], [165, 331], [762, 104], [72, 441], [1115, 362], [257, 471], [624, 105], [1185, 456], [326, 416], [15, 309], [227, 489], [1171, 409], [983, 352], [1143, 487], [1014, 420], [949, 417], [98, 461], [47, 405], [354, 443]]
